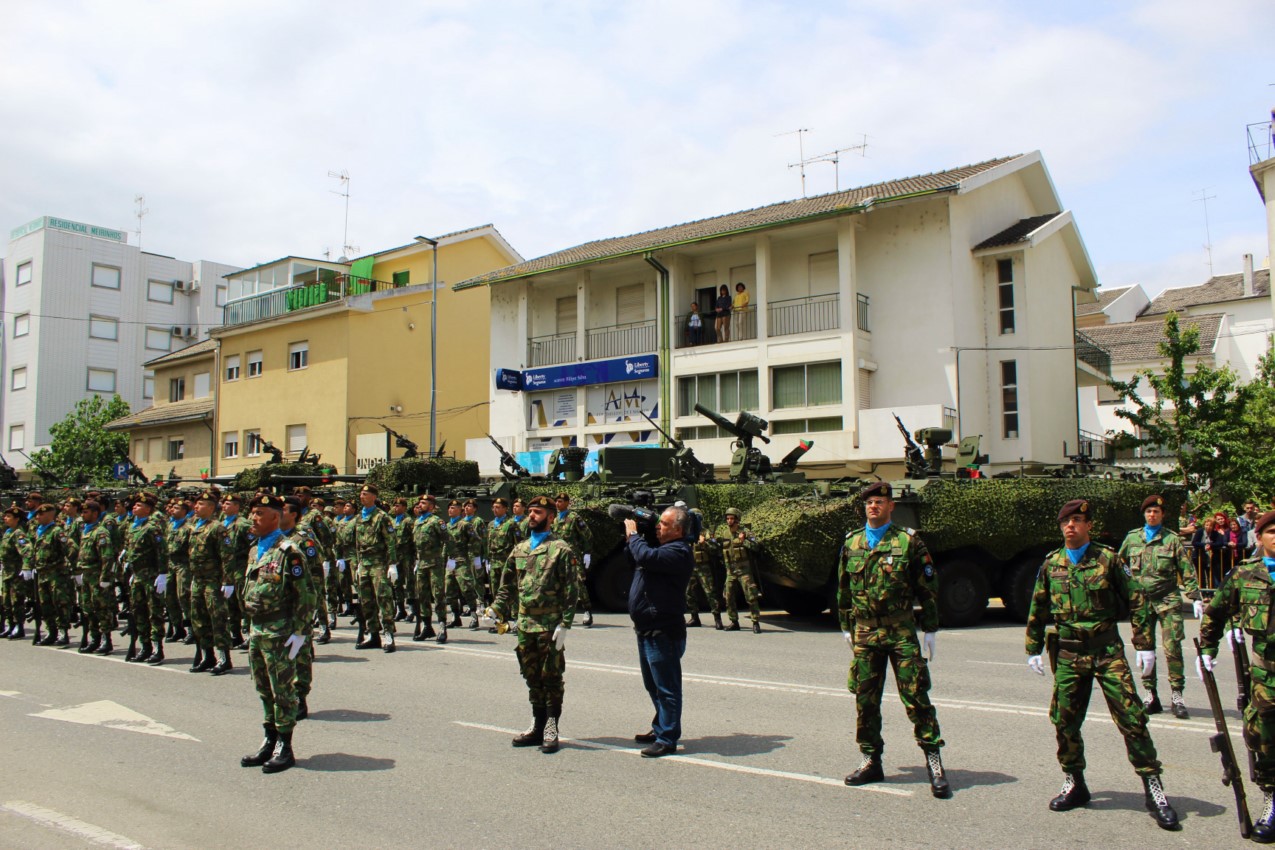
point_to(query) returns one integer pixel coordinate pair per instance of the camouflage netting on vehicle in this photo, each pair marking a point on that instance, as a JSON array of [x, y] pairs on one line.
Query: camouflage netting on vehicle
[[250, 479], [418, 474]]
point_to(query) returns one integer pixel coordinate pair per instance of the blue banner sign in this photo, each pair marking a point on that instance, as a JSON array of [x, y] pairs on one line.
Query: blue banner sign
[[592, 372], [508, 379]]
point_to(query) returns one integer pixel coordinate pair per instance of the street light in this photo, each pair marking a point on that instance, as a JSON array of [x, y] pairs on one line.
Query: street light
[[433, 346]]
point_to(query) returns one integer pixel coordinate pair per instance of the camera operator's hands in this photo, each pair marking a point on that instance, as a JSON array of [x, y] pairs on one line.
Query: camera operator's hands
[[630, 528]]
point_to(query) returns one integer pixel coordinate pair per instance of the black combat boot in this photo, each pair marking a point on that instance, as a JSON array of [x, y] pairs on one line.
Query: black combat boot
[[868, 771], [550, 742], [1264, 826], [1073, 795], [756, 627], [87, 645], [282, 758], [131, 653], [188, 636], [455, 623], [19, 631], [388, 645], [442, 630], [473, 625], [428, 631], [418, 633], [157, 657], [535, 736], [209, 663], [692, 622], [717, 622], [1152, 703], [303, 709], [106, 647], [65, 640], [1158, 804], [224, 665], [373, 641], [84, 640], [325, 635], [588, 619], [1178, 706], [199, 659], [260, 757], [733, 627], [939, 786], [332, 624]]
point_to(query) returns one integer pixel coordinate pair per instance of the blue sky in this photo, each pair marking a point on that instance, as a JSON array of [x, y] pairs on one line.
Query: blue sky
[[561, 122]]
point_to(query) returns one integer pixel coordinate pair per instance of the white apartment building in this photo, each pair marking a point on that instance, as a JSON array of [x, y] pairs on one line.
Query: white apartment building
[[83, 310], [947, 298]]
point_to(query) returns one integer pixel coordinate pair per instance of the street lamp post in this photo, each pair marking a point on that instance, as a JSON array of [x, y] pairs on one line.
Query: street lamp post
[[433, 347]]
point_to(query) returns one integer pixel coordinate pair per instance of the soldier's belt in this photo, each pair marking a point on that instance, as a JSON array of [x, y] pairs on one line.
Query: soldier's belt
[[1098, 640], [1258, 661], [535, 612], [887, 620]]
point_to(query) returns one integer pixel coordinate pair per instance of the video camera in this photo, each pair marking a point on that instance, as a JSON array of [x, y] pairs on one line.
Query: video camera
[[644, 513]]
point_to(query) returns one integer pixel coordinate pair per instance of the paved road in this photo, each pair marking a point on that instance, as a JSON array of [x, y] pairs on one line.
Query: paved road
[[412, 749]]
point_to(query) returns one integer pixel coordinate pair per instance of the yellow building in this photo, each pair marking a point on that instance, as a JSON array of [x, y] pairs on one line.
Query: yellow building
[[315, 355], [173, 437]]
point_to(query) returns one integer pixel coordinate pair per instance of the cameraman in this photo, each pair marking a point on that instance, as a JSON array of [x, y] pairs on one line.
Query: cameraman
[[657, 605]]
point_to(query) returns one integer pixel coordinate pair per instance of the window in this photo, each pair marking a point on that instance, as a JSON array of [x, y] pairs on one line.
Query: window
[[1005, 291], [158, 290], [148, 385], [22, 325], [176, 449], [809, 385], [155, 448], [806, 426], [159, 339], [102, 327], [139, 451], [230, 444], [102, 380], [566, 315], [402, 278], [203, 381], [221, 296], [252, 442], [232, 368], [17, 437], [107, 277], [176, 389], [254, 364], [296, 438], [729, 392], [1009, 398], [298, 355], [24, 274], [18, 379], [630, 304]]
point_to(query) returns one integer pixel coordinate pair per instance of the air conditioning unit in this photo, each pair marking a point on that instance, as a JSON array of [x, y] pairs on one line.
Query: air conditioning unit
[[177, 330], [191, 332], [179, 285], [193, 286]]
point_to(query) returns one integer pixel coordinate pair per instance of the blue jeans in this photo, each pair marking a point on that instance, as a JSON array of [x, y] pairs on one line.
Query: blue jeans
[[661, 658]]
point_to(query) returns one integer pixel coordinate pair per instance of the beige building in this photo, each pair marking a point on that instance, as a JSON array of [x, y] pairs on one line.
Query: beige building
[[173, 438]]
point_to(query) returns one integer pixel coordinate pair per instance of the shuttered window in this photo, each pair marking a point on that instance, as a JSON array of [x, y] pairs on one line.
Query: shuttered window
[[806, 386], [865, 389], [630, 304], [566, 315]]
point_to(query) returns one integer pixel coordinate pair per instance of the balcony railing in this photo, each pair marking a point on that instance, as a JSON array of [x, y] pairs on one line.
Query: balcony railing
[[804, 315], [743, 326], [1260, 138], [552, 349], [1092, 353], [1096, 447], [620, 340], [276, 302]]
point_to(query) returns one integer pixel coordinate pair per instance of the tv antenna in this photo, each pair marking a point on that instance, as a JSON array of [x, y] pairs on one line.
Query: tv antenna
[[801, 154], [835, 158], [344, 177], [1204, 198], [140, 200]]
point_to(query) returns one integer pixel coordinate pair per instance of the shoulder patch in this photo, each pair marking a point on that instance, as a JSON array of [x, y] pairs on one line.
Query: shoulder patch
[[297, 570]]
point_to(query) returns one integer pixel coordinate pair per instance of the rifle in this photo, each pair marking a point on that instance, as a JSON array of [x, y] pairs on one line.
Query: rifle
[[276, 454], [410, 448], [915, 457], [1242, 680], [510, 468], [1220, 743]]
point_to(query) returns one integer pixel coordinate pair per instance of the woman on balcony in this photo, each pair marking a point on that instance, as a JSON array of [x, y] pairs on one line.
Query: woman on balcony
[[694, 326], [739, 308], [722, 310]]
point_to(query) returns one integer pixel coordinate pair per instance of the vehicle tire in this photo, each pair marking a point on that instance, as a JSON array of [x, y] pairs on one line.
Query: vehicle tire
[[962, 594], [609, 582], [799, 603], [1018, 595]]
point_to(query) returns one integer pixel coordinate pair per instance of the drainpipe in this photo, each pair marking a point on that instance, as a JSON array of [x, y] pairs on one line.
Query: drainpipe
[[662, 325]]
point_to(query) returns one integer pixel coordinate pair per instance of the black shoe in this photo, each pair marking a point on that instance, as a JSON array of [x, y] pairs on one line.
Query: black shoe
[[106, 648], [18, 632], [199, 659], [657, 749], [262, 755], [389, 642], [717, 622], [939, 786], [1073, 795], [1178, 706], [733, 627], [535, 736], [428, 632], [868, 771], [455, 623], [473, 626], [188, 638], [84, 641], [157, 657], [588, 619], [1152, 703], [87, 647], [65, 640], [1264, 826], [1158, 804], [138, 655], [756, 627], [324, 637], [224, 665], [48, 640], [282, 758], [550, 742], [692, 622], [645, 738], [303, 710], [373, 641], [442, 633]]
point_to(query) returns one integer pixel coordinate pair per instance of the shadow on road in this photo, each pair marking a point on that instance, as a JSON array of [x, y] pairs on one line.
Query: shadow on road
[[340, 762], [338, 659], [735, 744], [348, 715], [1135, 802], [959, 778]]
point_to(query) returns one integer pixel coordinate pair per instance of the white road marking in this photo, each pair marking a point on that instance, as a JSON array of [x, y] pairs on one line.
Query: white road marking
[[118, 659], [10, 693], [72, 826], [997, 663], [112, 715], [734, 768]]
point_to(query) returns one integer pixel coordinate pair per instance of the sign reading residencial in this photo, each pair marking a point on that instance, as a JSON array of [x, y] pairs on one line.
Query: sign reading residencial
[[71, 226], [592, 372]]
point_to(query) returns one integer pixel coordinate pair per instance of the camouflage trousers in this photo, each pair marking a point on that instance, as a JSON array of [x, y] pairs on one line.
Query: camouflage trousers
[[13, 600], [430, 580], [702, 577], [57, 599], [462, 587], [97, 604], [1259, 730], [898, 645], [147, 608], [583, 603], [1169, 613], [321, 596], [748, 584], [305, 665], [208, 615], [376, 595], [177, 595], [1073, 685], [335, 583], [275, 675], [542, 665]]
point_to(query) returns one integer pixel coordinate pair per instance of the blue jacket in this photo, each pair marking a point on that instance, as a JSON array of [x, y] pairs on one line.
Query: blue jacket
[[657, 596]]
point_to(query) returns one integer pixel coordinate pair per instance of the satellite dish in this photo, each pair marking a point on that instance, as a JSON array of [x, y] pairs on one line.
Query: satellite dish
[[342, 259]]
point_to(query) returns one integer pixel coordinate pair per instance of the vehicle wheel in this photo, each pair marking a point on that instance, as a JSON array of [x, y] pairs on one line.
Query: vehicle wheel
[[609, 583], [962, 594], [1018, 595], [799, 603]]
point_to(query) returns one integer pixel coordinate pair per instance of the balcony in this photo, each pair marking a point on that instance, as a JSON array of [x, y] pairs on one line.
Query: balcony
[[551, 350], [1260, 138], [276, 302], [804, 315], [1093, 354], [620, 340], [743, 326]]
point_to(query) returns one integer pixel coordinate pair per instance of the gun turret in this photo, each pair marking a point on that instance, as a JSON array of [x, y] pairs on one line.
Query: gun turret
[[135, 473], [747, 462], [510, 468], [276, 455], [917, 467], [410, 448], [567, 463], [686, 466]]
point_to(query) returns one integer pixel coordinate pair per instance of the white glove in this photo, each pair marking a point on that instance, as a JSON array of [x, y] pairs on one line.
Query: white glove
[[1197, 606], [418, 563], [105, 585], [227, 590], [128, 566], [161, 583], [1204, 662], [451, 565], [27, 575], [477, 564], [392, 572], [1036, 665], [559, 636], [327, 568], [1146, 661], [79, 579], [1234, 638], [849, 636], [587, 558], [928, 640], [294, 644], [340, 565]]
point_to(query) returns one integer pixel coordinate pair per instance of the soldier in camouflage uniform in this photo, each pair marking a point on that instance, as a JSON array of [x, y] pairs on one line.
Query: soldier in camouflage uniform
[[738, 547], [177, 593], [96, 567], [429, 538], [705, 555], [377, 557], [236, 539], [291, 525], [81, 595], [572, 528], [461, 586], [14, 549], [403, 542], [314, 525], [209, 583], [502, 536], [279, 599], [1085, 589], [541, 583], [343, 534], [50, 554], [1246, 596], [1159, 561], [146, 556], [883, 568], [478, 558], [520, 517]]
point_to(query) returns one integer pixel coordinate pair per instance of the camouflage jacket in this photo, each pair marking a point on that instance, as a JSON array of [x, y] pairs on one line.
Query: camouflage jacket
[[540, 585], [428, 539], [177, 539], [374, 541], [279, 594], [74, 527], [96, 555], [1246, 596], [1159, 566], [314, 524], [236, 539], [875, 584], [144, 549], [1084, 599], [51, 551], [116, 525], [204, 547], [524, 526], [310, 550], [705, 552], [460, 543], [15, 548], [477, 536], [571, 528], [343, 538], [403, 539], [736, 554], [502, 536]]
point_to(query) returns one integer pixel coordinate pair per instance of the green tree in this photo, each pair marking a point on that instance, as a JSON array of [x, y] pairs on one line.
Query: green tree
[[1248, 468], [82, 451]]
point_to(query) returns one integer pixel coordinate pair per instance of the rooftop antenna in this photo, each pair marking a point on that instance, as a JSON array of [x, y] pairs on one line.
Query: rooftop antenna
[[142, 210], [801, 154], [835, 158], [344, 177], [1208, 239]]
